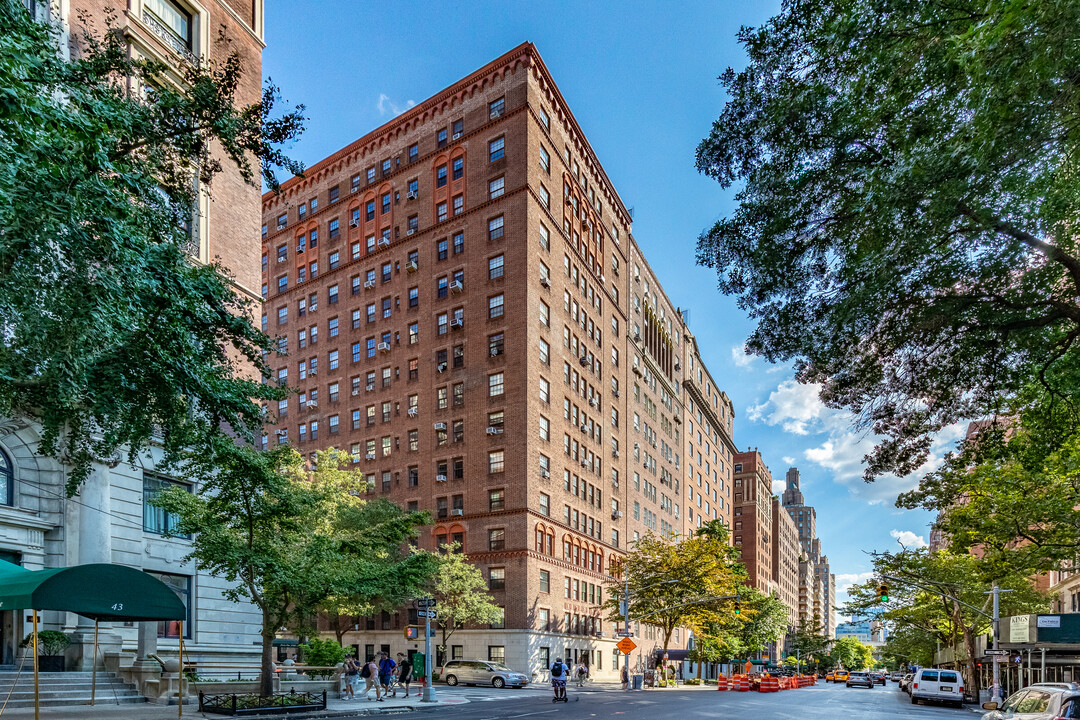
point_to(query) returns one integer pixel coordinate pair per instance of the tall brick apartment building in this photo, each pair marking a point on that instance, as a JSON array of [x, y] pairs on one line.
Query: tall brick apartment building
[[112, 522], [466, 311]]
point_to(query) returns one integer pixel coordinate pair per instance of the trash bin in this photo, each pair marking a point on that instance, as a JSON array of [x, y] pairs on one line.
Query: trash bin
[[639, 682]]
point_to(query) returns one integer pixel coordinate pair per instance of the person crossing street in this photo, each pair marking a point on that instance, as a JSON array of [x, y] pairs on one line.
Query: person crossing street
[[559, 671]]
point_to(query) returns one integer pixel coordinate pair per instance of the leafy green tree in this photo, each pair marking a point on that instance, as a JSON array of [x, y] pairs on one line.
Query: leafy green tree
[[940, 594], [113, 337], [289, 538], [766, 619], [1011, 490], [673, 581], [850, 653], [907, 223], [322, 652], [810, 638], [461, 594]]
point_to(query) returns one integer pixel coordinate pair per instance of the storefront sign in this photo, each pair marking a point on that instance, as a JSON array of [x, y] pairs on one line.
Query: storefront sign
[[1049, 621], [1019, 628]]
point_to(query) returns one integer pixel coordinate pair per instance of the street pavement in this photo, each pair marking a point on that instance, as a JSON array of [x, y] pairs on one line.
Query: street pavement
[[595, 700]]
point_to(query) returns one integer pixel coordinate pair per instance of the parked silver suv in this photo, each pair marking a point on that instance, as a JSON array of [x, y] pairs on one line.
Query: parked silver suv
[[1041, 701], [481, 672]]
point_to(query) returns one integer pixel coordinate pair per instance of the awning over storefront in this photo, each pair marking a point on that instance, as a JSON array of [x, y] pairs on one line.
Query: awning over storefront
[[99, 591]]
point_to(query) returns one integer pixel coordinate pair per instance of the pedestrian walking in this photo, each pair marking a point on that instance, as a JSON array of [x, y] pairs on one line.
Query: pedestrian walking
[[582, 672], [404, 673], [370, 673], [624, 674], [351, 678], [386, 672]]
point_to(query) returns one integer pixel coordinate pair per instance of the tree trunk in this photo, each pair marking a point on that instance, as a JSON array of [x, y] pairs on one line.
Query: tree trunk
[[266, 676]]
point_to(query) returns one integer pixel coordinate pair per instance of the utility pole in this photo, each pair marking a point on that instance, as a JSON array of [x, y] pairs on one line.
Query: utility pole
[[995, 694], [429, 692]]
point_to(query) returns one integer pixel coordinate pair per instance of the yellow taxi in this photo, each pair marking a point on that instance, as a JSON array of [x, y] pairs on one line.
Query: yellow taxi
[[840, 676], [829, 676]]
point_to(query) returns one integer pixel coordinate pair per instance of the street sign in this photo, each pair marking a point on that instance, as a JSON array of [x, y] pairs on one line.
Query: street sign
[[1001, 659], [624, 633], [427, 614], [424, 602], [626, 646], [998, 652]]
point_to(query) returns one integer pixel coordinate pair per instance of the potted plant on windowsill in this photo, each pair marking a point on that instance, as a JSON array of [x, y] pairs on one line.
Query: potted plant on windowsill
[[51, 647]]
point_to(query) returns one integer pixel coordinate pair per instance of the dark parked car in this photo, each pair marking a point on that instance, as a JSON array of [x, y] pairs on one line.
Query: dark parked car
[[860, 679]]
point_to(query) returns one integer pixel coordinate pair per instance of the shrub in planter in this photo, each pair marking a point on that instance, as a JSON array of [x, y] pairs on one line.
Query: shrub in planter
[[322, 651], [692, 681], [51, 647]]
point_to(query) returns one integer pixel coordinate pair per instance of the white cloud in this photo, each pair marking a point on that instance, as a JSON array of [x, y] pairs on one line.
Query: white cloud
[[387, 106], [794, 406], [788, 460], [844, 581], [778, 486], [740, 358], [798, 409], [908, 539]]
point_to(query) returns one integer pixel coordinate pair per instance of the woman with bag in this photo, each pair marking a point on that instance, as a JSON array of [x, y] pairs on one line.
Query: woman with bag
[[351, 679]]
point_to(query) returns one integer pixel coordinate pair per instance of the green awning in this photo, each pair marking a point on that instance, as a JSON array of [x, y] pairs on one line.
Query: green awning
[[99, 591]]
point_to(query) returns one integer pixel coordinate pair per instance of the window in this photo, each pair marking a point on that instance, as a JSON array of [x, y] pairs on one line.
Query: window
[[335, 259], [545, 351], [440, 176], [496, 187], [459, 204], [334, 194], [181, 585], [413, 224], [386, 167], [282, 283], [495, 461], [385, 203], [545, 509], [545, 428], [440, 212], [155, 519], [545, 581], [496, 499], [331, 295], [334, 225], [496, 653], [496, 149], [496, 539], [369, 210], [545, 160], [545, 197], [458, 168], [495, 385], [495, 306], [495, 345], [414, 152], [441, 286], [333, 323], [496, 108], [545, 314], [497, 579], [495, 267], [414, 333], [440, 138]]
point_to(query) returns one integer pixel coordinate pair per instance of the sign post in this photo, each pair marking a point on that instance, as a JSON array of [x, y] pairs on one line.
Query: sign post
[[426, 603]]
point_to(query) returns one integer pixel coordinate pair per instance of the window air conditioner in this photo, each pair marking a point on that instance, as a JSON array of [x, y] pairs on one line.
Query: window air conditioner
[[457, 511], [385, 242], [494, 430], [371, 456], [440, 426], [384, 346], [354, 223], [412, 266], [545, 281], [456, 286], [457, 323], [369, 284], [412, 195], [440, 478]]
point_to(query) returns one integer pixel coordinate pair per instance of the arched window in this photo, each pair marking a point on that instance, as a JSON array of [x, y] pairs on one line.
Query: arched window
[[7, 480]]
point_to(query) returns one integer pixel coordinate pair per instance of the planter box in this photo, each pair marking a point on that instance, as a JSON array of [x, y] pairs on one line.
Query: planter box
[[51, 663], [251, 704]]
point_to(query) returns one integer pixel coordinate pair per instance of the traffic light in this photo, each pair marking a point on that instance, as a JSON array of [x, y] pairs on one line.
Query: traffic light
[[736, 604], [883, 592]]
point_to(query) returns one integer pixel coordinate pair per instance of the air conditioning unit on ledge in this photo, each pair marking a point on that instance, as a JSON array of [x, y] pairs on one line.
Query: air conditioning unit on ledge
[[385, 242], [354, 223], [545, 281], [584, 463], [615, 453], [384, 346], [584, 360], [311, 404], [369, 284], [371, 456], [616, 514], [313, 372], [616, 393], [545, 473], [495, 352], [494, 430], [411, 266], [410, 231], [457, 323], [355, 393], [456, 136], [457, 511], [369, 388], [412, 195], [456, 286], [440, 426], [413, 412], [440, 478], [441, 367]]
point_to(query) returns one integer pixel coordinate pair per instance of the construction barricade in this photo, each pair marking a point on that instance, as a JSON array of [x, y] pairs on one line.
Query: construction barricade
[[769, 684], [722, 683], [740, 683]]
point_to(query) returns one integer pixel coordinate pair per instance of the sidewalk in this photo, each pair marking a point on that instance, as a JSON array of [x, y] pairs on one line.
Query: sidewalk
[[334, 709]]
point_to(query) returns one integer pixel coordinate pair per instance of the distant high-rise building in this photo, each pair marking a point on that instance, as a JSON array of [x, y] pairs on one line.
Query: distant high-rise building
[[752, 517], [816, 583]]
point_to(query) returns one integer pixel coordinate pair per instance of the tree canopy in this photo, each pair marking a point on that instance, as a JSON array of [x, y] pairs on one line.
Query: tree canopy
[[906, 229], [462, 594], [112, 336], [289, 540]]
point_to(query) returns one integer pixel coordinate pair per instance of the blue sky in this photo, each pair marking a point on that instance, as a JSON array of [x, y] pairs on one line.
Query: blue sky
[[641, 80]]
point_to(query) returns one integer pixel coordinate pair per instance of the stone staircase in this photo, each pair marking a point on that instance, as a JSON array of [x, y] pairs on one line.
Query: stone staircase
[[57, 689]]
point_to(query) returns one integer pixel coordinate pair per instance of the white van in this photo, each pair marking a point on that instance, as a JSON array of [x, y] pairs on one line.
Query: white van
[[945, 686]]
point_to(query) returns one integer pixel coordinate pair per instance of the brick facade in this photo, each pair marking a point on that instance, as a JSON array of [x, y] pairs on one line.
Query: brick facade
[[491, 346]]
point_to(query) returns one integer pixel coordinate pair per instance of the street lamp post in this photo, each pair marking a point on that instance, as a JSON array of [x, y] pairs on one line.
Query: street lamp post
[[626, 613]]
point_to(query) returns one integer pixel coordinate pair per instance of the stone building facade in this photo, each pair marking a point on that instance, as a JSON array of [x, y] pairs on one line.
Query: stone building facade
[[466, 311], [110, 520]]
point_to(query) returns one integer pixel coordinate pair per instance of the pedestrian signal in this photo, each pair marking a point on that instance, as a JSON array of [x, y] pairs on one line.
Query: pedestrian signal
[[412, 632]]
